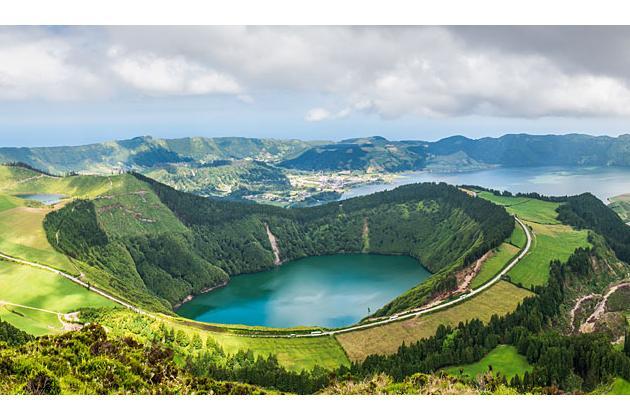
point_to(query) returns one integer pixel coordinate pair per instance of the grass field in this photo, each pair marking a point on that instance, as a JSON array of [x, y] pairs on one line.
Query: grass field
[[550, 242], [526, 208], [620, 387], [621, 205], [518, 238], [43, 289], [22, 235], [24, 181], [292, 353], [8, 202], [500, 299], [503, 359], [29, 320], [504, 253]]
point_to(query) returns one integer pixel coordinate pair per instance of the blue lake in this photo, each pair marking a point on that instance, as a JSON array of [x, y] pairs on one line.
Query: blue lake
[[549, 180], [327, 291]]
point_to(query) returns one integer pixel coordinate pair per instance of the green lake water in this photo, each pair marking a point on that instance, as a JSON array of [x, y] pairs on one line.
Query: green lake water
[[326, 291]]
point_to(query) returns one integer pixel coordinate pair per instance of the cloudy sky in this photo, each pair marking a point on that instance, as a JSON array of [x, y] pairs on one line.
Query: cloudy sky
[[74, 85]]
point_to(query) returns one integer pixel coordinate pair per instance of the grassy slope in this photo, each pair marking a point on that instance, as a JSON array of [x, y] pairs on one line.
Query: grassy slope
[[22, 235], [42, 289], [32, 321], [620, 387], [14, 180], [526, 208], [501, 298], [503, 359], [552, 240], [621, 205], [495, 263], [518, 238], [129, 196], [292, 353]]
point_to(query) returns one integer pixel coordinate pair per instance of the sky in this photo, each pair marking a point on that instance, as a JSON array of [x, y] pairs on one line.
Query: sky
[[78, 85]]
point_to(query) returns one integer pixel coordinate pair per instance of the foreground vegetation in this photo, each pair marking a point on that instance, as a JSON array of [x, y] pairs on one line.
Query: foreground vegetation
[[503, 359]]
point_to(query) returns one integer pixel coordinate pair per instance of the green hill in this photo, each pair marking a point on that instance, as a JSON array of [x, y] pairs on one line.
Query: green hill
[[369, 154], [158, 245]]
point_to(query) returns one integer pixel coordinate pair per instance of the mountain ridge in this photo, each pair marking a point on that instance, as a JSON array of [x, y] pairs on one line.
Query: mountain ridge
[[372, 153]]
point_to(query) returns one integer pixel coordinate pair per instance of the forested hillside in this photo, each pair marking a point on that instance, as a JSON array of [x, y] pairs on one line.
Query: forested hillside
[[160, 245]]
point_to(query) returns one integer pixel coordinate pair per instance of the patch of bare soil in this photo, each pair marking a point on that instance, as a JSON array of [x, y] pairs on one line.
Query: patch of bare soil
[[591, 324], [466, 275], [70, 321]]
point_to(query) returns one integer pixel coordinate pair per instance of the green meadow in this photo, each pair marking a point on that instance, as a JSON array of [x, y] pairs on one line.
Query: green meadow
[[501, 257], [32, 321], [551, 239], [43, 289], [503, 359], [550, 242], [525, 208], [501, 298]]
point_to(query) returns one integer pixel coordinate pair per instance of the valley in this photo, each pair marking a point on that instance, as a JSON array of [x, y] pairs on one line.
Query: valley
[[125, 250]]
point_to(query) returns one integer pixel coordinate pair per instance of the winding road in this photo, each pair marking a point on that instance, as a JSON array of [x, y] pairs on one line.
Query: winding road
[[393, 318]]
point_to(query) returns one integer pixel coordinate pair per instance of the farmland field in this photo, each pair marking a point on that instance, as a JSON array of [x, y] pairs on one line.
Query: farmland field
[[551, 242], [24, 181], [503, 254], [292, 353], [500, 299], [22, 235], [526, 208], [620, 387], [32, 321], [518, 238], [43, 289], [621, 205], [503, 359]]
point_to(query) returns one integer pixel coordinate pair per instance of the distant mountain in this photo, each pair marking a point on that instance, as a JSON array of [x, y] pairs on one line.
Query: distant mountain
[[147, 152], [369, 153], [372, 154], [539, 150]]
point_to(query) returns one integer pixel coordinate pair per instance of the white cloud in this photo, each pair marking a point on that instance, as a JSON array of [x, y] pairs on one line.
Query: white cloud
[[157, 75], [317, 114], [391, 72], [39, 68]]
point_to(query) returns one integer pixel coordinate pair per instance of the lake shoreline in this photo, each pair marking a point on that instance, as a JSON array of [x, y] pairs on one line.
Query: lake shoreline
[[328, 290]]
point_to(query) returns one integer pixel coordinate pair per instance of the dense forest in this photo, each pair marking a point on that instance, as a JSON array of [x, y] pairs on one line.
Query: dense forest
[[438, 224], [586, 211]]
